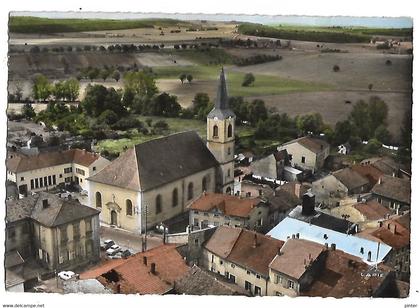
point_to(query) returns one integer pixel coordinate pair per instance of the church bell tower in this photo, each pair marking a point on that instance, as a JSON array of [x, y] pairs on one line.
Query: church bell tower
[[221, 136]]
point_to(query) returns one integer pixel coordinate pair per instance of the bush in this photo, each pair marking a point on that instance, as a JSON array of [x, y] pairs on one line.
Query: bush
[[336, 68], [248, 80], [128, 122], [108, 117]]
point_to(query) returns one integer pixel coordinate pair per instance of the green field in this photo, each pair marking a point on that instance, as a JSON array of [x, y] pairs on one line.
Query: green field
[[321, 34], [175, 125], [27, 24], [263, 85]]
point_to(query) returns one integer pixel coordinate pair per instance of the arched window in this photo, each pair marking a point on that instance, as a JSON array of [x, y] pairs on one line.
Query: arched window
[[175, 197], [215, 131], [128, 207], [158, 204], [190, 190], [230, 130], [98, 199], [204, 184]]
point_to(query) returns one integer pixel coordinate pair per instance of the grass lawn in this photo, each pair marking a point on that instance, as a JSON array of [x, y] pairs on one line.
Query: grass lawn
[[263, 85], [175, 125]]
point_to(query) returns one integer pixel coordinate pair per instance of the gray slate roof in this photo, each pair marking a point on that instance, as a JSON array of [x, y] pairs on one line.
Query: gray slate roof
[[350, 178], [221, 108], [58, 212], [394, 188], [157, 162]]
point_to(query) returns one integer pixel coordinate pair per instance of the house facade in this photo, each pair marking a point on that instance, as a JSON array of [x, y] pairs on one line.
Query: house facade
[[306, 153], [57, 233], [220, 209], [45, 171], [393, 193]]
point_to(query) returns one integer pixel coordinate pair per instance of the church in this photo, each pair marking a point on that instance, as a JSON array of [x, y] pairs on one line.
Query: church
[[157, 180]]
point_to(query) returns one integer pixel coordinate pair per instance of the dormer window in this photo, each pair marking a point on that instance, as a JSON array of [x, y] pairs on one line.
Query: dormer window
[[44, 203]]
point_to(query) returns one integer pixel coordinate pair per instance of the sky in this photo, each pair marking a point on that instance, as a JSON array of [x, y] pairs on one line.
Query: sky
[[375, 22]]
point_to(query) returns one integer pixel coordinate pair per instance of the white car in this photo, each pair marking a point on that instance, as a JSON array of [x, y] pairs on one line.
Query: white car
[[66, 275], [113, 250]]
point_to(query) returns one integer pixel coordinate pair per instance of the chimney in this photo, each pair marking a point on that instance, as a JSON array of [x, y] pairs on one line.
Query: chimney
[[308, 204], [380, 181], [254, 245], [297, 189], [118, 289], [45, 203], [297, 235], [326, 245], [153, 268], [394, 229], [293, 236], [144, 260], [333, 246]]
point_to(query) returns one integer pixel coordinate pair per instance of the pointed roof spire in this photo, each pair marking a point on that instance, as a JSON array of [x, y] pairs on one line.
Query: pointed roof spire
[[221, 105]]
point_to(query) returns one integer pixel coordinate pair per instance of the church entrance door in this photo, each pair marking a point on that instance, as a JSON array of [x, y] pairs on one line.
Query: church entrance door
[[113, 218]]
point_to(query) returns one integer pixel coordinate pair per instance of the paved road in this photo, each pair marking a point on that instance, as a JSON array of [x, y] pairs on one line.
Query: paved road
[[128, 240]]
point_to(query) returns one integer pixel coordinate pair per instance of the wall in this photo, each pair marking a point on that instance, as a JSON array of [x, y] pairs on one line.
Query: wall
[[329, 190], [297, 151], [114, 199], [241, 274], [22, 239]]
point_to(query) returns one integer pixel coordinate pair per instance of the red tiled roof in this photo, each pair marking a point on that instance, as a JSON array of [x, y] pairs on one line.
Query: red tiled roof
[[295, 256], [227, 204], [342, 277], [20, 163], [240, 248], [136, 277], [372, 210], [368, 171]]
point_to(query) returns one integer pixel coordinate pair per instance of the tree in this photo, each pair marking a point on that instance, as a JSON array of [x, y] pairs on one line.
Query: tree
[[116, 75], [248, 80], [378, 113], [343, 132], [189, 78], [164, 105], [28, 111], [104, 74], [382, 134], [98, 99], [182, 77], [257, 111], [71, 89], [58, 91], [108, 117], [310, 123], [41, 88], [373, 146], [18, 92], [140, 83], [200, 101], [93, 73], [336, 68], [359, 117]]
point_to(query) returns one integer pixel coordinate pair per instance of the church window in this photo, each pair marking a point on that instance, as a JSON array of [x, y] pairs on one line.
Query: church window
[[158, 204], [98, 199], [175, 197], [230, 130], [215, 131], [129, 207], [190, 190], [204, 183]]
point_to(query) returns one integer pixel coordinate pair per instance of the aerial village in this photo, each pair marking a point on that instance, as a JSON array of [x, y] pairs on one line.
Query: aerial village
[[189, 213]]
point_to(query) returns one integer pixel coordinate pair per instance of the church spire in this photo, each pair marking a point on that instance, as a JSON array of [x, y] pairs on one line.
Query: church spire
[[221, 105], [222, 96]]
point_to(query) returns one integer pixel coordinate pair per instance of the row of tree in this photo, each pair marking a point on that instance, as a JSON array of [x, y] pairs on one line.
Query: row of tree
[[43, 89]]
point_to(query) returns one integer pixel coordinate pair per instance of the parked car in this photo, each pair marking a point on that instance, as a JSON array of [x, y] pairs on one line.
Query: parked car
[[113, 250], [126, 253], [66, 275], [107, 244]]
